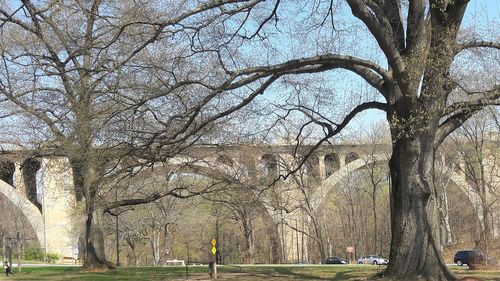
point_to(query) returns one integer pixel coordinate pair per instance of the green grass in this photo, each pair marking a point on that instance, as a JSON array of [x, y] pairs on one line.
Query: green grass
[[242, 273]]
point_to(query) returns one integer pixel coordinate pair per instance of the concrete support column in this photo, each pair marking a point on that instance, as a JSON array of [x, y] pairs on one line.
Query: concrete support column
[[322, 169], [342, 160], [58, 201]]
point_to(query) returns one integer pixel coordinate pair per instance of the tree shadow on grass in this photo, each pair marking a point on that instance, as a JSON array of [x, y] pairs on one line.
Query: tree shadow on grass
[[334, 276], [300, 275]]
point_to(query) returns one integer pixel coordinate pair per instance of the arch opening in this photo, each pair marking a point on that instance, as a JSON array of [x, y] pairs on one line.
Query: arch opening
[[269, 166], [312, 166], [7, 169], [32, 180], [332, 164], [351, 157], [29, 211]]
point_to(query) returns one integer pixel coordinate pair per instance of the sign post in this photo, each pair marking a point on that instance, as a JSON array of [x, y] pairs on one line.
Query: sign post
[[214, 251], [187, 262]]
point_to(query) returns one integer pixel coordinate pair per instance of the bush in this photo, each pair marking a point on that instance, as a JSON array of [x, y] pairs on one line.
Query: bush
[[52, 257], [33, 253]]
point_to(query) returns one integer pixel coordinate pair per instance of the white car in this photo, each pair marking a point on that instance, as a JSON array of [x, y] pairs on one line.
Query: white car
[[372, 259]]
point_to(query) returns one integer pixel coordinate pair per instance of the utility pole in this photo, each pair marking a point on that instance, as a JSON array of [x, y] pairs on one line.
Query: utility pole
[[117, 233], [187, 262], [297, 240], [18, 236]]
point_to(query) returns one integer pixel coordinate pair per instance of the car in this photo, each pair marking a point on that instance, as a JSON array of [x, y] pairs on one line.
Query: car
[[466, 256], [335, 260], [373, 259]]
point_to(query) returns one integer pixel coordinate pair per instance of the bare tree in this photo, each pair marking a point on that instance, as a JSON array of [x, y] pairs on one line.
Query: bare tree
[[153, 222], [80, 70], [376, 175], [295, 196], [418, 89], [477, 147], [419, 40]]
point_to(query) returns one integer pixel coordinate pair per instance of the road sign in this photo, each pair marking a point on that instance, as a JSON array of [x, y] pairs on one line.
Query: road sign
[[214, 242], [214, 250], [350, 249]]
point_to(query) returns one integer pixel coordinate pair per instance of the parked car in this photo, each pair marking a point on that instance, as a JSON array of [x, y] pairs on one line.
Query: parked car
[[372, 259], [466, 256], [335, 260]]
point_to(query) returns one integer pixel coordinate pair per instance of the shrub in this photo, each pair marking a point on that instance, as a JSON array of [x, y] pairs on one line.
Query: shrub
[[33, 253], [52, 257]]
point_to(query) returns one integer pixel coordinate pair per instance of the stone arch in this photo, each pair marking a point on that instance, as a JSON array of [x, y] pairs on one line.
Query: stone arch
[[332, 164], [269, 165], [30, 168], [350, 157], [466, 188], [245, 167], [312, 166], [327, 185], [28, 209], [7, 169]]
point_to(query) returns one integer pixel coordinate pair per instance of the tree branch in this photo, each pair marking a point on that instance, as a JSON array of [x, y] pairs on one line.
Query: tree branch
[[379, 26], [331, 132], [464, 110], [477, 44]]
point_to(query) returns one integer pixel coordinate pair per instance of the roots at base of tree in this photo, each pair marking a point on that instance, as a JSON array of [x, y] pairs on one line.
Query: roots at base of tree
[[101, 267]]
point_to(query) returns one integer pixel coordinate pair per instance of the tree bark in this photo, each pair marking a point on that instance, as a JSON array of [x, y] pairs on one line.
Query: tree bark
[[95, 259], [414, 251], [132, 248], [249, 242], [85, 176]]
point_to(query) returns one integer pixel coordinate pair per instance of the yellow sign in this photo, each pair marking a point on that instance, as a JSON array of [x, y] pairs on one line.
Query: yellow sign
[[214, 250], [214, 242]]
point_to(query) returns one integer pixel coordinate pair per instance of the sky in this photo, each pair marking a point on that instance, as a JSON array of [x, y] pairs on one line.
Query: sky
[[483, 13]]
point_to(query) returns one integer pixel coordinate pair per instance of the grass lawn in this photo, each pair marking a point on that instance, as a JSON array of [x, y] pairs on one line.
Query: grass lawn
[[243, 273]]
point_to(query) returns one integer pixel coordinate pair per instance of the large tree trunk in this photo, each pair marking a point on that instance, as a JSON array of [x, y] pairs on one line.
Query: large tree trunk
[[249, 242], [95, 259], [414, 251], [84, 178]]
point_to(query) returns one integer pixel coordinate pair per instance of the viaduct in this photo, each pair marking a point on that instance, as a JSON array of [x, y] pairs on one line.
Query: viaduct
[[42, 186]]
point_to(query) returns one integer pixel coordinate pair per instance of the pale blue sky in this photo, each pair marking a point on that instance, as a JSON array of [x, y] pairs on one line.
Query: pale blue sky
[[482, 13], [485, 14]]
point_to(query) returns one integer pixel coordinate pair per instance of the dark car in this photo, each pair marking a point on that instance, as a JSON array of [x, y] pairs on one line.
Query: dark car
[[335, 260], [465, 257]]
